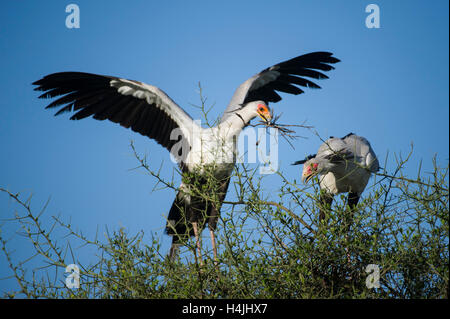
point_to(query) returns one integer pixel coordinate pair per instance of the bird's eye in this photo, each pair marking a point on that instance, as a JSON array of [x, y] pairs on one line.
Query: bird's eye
[[261, 108]]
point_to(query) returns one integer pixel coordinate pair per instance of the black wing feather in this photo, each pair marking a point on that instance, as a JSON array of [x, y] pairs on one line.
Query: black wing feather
[[92, 94], [307, 158], [291, 73], [286, 87], [340, 157]]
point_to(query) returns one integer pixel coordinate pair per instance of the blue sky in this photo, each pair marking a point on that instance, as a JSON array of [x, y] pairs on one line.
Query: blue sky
[[391, 87]]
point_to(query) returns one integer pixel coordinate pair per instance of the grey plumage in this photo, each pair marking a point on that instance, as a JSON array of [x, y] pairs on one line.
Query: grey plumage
[[344, 165]]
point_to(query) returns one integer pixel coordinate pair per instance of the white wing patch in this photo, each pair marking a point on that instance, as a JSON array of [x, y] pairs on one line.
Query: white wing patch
[[372, 162], [150, 93], [154, 96]]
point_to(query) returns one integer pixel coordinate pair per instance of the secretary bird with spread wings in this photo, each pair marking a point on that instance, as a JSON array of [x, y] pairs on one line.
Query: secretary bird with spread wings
[[149, 111]]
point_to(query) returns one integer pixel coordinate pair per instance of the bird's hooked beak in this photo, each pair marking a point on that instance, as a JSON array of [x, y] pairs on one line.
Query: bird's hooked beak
[[264, 113], [309, 171]]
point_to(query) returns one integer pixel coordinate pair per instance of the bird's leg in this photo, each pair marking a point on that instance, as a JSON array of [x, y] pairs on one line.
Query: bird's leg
[[173, 252], [352, 201], [216, 262], [197, 241], [213, 242], [326, 200]]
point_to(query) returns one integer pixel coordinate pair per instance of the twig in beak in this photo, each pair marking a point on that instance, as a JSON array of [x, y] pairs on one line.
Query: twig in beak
[[284, 129]]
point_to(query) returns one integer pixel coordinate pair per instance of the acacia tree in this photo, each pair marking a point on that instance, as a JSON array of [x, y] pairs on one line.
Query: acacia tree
[[271, 245]]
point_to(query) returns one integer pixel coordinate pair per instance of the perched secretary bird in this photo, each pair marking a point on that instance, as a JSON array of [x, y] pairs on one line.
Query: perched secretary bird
[[149, 111], [344, 165]]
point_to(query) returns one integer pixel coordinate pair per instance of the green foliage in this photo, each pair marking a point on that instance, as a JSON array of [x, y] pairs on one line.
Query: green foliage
[[270, 246]]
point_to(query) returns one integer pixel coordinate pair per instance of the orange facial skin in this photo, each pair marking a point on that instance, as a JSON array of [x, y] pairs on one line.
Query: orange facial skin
[[309, 171], [264, 113]]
